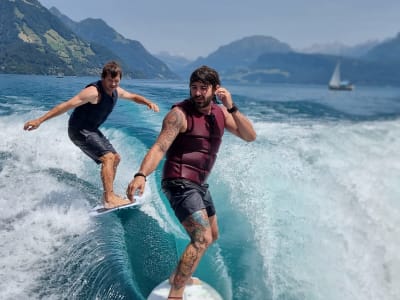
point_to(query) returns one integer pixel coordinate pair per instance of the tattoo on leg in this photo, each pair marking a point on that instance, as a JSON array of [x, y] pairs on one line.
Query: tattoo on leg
[[199, 218], [196, 225], [185, 267]]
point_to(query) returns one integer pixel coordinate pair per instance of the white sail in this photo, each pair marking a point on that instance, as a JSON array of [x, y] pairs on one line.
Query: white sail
[[335, 79], [336, 83]]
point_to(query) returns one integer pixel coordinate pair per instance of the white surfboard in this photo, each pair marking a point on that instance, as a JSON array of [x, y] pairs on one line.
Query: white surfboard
[[202, 291], [101, 210]]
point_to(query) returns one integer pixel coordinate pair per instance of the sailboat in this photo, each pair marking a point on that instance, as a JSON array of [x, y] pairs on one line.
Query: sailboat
[[337, 84]]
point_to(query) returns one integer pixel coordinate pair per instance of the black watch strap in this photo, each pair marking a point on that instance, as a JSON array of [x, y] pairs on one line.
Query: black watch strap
[[232, 109], [140, 174]]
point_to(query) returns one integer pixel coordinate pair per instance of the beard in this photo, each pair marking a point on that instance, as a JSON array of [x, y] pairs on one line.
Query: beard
[[201, 102]]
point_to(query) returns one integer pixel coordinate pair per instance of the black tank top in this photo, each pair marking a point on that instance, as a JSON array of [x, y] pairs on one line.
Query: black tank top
[[90, 116]]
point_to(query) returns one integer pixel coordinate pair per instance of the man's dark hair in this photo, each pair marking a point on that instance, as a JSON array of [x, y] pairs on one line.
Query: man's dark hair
[[113, 69], [205, 75]]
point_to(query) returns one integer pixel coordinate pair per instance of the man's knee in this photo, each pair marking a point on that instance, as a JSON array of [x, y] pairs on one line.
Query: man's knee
[[117, 158], [110, 157], [203, 241]]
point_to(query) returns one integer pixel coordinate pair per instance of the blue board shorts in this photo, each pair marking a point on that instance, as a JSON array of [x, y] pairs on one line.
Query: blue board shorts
[[187, 197], [92, 143]]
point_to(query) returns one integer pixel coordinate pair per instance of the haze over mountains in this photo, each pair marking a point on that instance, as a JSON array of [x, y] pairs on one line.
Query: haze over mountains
[[40, 41], [340, 49]]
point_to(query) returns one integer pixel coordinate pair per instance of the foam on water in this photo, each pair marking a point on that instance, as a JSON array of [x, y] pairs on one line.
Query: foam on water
[[308, 211], [35, 219], [322, 201], [47, 188], [132, 152]]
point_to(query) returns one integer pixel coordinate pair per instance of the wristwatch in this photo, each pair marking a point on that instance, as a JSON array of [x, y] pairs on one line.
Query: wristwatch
[[232, 109]]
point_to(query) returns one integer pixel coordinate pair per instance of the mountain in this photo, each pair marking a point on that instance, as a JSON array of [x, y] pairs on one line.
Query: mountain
[[240, 53], [388, 51], [131, 52], [293, 68], [303, 68], [289, 67], [33, 41], [264, 60], [175, 62]]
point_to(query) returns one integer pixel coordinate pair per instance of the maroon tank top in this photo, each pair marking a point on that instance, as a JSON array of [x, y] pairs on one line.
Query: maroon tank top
[[193, 153]]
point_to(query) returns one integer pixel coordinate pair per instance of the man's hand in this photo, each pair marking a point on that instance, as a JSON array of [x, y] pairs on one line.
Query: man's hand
[[137, 184], [153, 107], [31, 125], [224, 96]]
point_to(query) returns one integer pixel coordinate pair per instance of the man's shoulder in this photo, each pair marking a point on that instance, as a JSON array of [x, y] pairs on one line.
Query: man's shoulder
[[177, 111], [96, 84], [183, 104]]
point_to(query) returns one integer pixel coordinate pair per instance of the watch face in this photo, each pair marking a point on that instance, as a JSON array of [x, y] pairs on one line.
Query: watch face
[[232, 109]]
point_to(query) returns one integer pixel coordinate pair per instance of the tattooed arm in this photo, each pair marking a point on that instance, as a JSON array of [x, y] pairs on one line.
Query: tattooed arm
[[173, 123]]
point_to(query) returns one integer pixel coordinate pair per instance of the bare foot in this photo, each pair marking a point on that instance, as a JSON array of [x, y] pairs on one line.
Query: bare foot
[[191, 280], [114, 201]]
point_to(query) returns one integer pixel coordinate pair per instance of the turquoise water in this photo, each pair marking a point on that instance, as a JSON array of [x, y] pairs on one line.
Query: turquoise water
[[308, 211]]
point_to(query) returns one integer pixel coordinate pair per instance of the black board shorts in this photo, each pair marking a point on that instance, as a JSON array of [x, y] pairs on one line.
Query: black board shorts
[[187, 197], [93, 143]]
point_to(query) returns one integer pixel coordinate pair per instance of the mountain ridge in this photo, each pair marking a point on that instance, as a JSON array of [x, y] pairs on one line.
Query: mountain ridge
[[51, 46], [35, 41], [131, 52], [56, 43], [374, 65]]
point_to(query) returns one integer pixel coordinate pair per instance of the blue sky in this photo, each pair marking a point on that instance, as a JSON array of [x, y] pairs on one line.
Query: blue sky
[[193, 29]]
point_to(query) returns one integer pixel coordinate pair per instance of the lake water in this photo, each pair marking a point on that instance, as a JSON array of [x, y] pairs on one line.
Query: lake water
[[310, 210]]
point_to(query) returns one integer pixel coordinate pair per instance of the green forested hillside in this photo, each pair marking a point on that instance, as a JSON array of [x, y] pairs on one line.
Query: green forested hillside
[[34, 41]]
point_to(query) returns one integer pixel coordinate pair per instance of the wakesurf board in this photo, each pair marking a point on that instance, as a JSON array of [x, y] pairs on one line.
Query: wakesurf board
[[101, 210], [199, 291]]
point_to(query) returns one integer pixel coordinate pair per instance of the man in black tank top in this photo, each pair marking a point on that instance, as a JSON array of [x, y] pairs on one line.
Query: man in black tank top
[[92, 106]]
